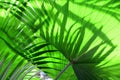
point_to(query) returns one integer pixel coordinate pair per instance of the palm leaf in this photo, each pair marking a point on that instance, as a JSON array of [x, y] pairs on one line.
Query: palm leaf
[[14, 67], [68, 33]]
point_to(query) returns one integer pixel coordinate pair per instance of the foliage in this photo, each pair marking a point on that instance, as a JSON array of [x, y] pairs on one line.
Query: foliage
[[67, 39]]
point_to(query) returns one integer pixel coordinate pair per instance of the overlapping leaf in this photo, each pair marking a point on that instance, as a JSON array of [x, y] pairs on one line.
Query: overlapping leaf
[[70, 33]]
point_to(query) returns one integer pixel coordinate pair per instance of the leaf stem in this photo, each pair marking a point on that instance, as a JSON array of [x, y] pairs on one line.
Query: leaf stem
[[62, 71]]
